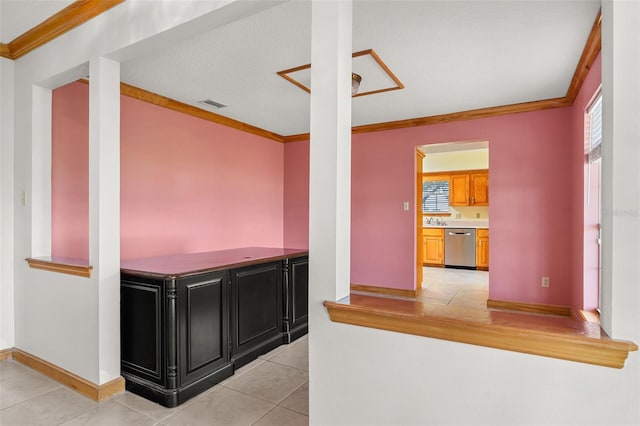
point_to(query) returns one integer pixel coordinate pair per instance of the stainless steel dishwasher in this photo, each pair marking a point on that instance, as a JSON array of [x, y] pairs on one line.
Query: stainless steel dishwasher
[[460, 248]]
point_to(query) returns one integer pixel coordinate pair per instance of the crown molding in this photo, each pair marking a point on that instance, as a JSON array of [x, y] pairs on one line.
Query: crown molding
[[72, 16], [4, 51], [146, 96], [172, 104], [589, 54]]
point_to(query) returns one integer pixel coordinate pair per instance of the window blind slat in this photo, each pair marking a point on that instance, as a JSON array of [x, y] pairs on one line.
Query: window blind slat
[[435, 196]]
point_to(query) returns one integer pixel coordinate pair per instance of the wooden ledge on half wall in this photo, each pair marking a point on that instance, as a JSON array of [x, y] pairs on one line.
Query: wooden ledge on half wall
[[545, 335], [63, 265]]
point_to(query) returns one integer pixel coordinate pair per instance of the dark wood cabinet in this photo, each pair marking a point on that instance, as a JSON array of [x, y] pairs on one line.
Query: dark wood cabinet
[[203, 324], [142, 331], [256, 309], [188, 321], [174, 335], [296, 306]]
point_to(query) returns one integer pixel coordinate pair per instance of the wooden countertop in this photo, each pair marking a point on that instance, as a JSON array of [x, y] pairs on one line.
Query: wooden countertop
[[191, 263], [545, 335]]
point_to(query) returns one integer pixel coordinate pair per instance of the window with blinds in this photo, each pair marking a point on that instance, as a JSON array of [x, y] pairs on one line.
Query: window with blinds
[[595, 129], [435, 196]]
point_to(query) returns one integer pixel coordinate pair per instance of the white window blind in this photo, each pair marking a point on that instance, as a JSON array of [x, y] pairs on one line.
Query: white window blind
[[435, 196], [595, 129]]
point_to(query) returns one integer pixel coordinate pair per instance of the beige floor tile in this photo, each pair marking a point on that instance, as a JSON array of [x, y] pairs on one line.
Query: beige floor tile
[[299, 400], [146, 407], [10, 368], [221, 407], [111, 414], [282, 417], [51, 408], [22, 387], [240, 371], [272, 352], [440, 291], [433, 300], [270, 381], [294, 355]]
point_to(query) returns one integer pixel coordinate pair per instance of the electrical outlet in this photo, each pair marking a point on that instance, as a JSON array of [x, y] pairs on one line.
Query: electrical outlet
[[545, 282]]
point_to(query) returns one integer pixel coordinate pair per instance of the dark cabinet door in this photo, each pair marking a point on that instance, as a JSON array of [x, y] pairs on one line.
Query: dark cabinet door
[[203, 341], [298, 295], [141, 328], [256, 310]]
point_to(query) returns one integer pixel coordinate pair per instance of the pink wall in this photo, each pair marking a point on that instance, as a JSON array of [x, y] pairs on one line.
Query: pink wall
[[187, 185], [296, 195], [586, 264], [531, 211], [70, 172]]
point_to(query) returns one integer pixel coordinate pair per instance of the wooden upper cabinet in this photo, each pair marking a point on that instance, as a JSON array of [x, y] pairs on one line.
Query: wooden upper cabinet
[[479, 188], [459, 190], [469, 188]]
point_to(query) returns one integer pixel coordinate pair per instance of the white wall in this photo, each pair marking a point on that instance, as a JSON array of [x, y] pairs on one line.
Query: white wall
[[362, 376], [71, 321], [6, 201]]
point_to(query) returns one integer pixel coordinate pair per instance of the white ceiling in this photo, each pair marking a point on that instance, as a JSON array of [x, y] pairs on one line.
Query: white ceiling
[[19, 16], [450, 55]]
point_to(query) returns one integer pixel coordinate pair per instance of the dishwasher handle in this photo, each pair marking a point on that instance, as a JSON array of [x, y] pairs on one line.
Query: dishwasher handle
[[459, 233]]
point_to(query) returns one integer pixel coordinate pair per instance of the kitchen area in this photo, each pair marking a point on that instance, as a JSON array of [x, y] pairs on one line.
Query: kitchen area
[[455, 207]]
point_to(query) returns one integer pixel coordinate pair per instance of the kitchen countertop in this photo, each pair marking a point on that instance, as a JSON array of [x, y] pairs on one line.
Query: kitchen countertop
[[460, 224]]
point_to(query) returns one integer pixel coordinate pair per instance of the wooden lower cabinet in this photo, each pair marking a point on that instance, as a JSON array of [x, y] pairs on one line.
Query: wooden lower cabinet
[[182, 333], [433, 246], [482, 249]]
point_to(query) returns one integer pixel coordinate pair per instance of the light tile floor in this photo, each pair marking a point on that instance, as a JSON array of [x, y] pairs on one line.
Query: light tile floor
[[272, 390], [455, 287], [449, 286]]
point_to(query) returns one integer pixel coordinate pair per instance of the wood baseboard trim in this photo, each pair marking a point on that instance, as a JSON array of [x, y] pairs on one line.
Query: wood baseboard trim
[[534, 308], [591, 316], [6, 354], [67, 378], [385, 290]]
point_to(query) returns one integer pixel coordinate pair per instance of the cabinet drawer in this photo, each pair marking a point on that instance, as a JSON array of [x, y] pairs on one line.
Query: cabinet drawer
[[433, 232]]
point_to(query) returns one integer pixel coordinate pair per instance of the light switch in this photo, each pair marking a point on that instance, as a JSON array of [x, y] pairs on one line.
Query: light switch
[[405, 206]]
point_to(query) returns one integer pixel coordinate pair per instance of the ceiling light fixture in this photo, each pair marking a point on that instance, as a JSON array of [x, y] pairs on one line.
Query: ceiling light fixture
[[355, 83]]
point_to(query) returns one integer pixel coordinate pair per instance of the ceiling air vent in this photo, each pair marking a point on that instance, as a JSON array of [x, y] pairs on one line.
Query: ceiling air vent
[[212, 103]]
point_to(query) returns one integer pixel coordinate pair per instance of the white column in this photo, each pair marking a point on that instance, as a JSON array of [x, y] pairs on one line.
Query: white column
[[330, 150], [104, 208], [329, 177], [7, 204], [620, 171], [40, 196]]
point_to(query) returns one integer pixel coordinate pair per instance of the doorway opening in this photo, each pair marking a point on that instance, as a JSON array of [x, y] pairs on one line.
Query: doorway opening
[[453, 223]]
